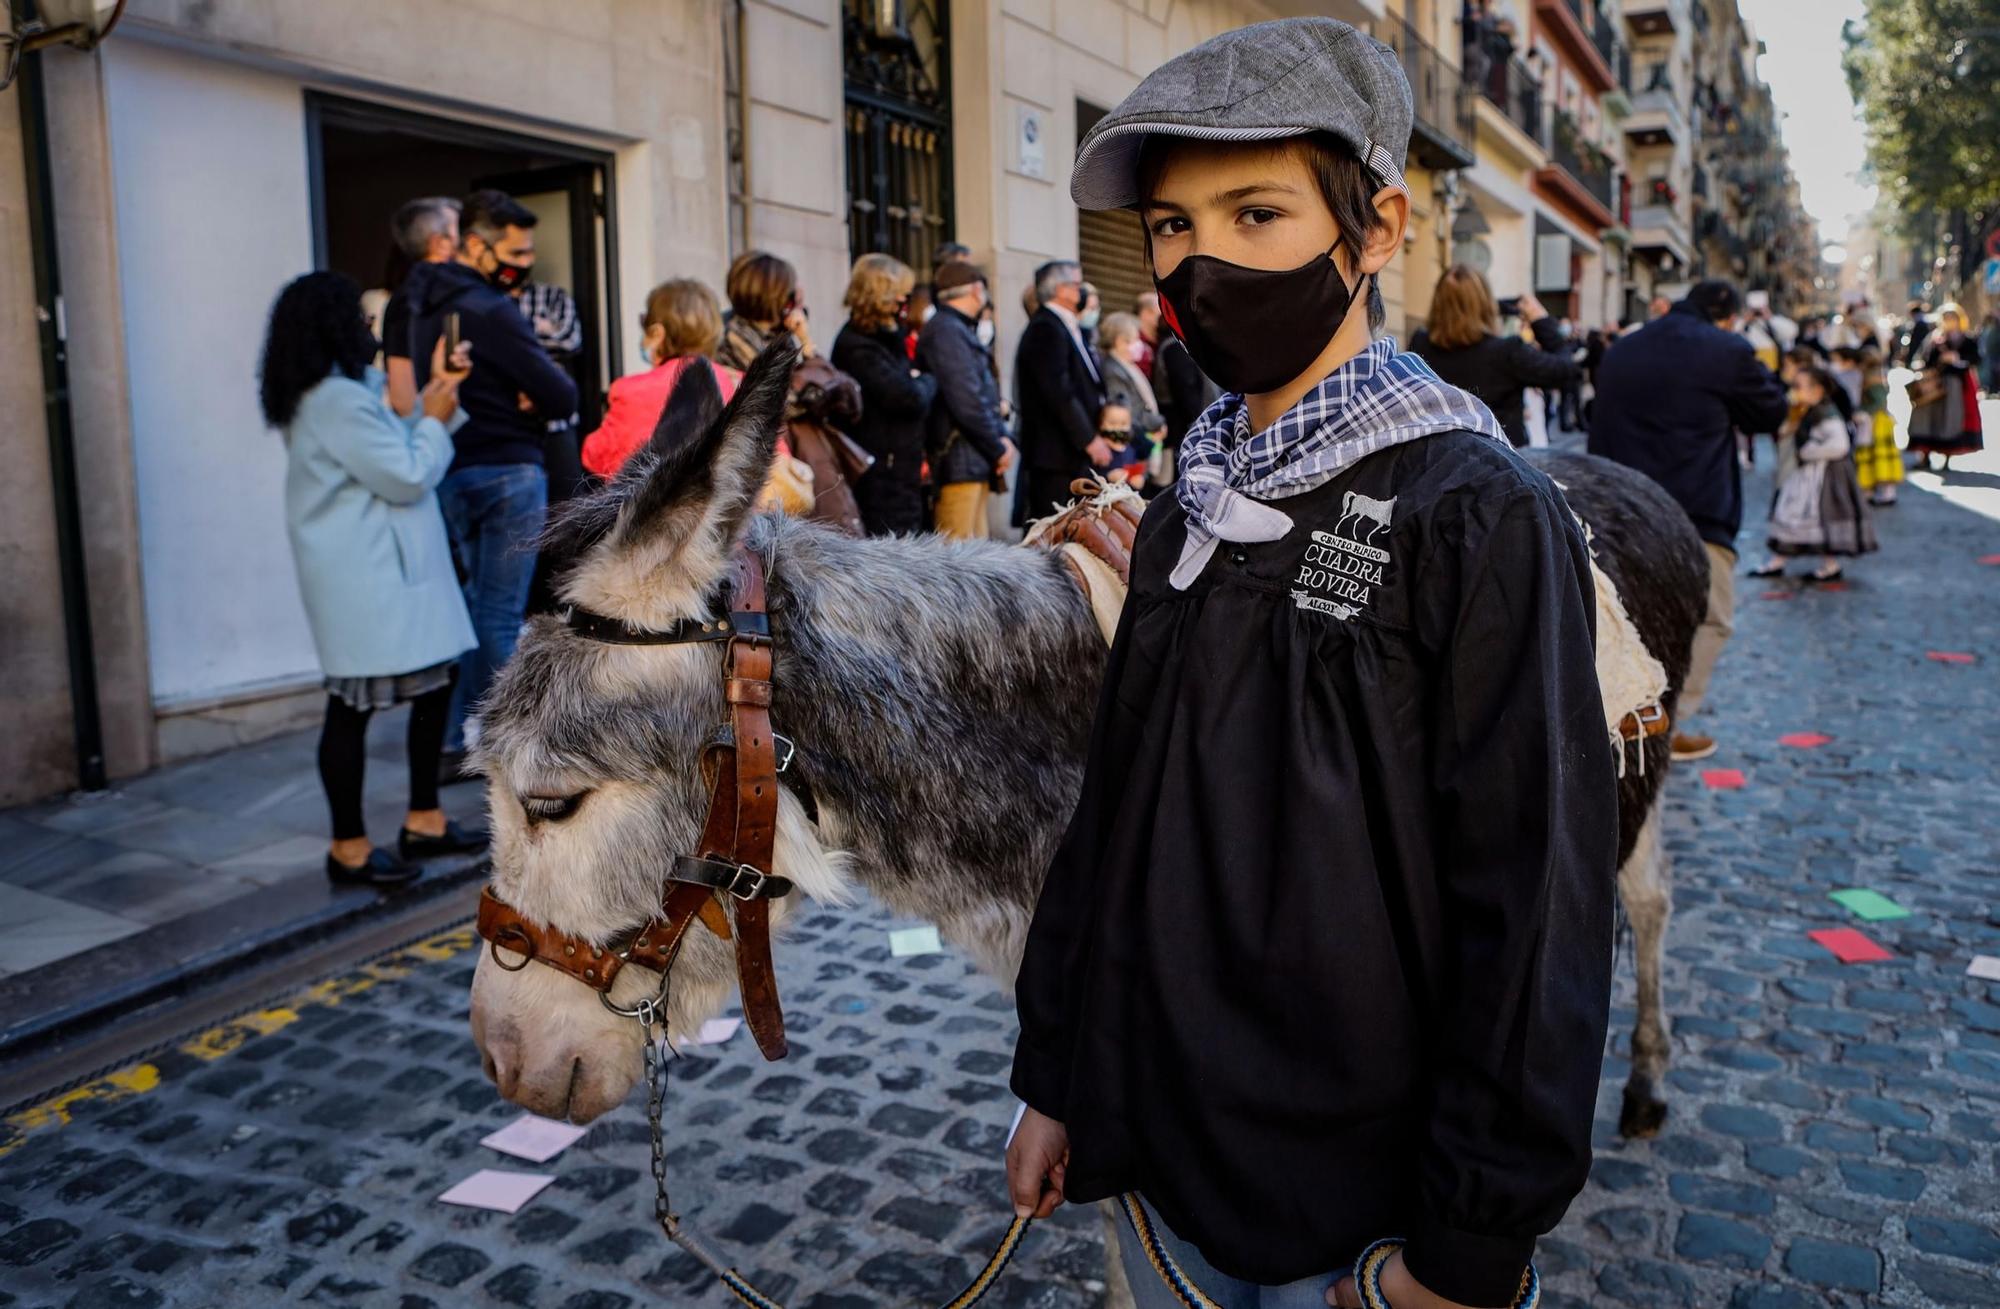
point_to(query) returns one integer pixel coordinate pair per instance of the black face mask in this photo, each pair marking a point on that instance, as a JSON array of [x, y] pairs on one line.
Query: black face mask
[[508, 276], [1254, 329]]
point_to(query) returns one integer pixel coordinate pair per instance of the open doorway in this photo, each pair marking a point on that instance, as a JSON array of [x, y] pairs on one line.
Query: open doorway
[[366, 159]]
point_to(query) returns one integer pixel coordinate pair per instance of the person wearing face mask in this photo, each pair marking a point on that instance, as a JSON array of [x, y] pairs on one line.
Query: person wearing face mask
[[1324, 957], [1060, 389], [495, 496], [896, 395], [682, 325], [967, 437], [1091, 314], [1127, 387]]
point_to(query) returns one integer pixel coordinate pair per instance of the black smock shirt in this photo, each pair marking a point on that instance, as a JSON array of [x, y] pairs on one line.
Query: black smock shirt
[[1325, 955]]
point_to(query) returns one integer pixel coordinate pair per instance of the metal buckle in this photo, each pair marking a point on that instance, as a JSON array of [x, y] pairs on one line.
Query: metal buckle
[[789, 748], [758, 878]]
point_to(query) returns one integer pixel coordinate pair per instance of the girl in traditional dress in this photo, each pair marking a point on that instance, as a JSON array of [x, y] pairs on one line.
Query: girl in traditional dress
[[1818, 507], [1948, 424], [1877, 462]]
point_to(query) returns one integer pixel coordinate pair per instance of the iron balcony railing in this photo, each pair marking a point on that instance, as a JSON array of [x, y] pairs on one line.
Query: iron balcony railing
[[1444, 108], [1604, 35], [1514, 90], [1590, 166]]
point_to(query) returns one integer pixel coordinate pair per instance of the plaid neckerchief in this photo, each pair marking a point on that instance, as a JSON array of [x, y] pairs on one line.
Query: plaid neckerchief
[[1379, 398]]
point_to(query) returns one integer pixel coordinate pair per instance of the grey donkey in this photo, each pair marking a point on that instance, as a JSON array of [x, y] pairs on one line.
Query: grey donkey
[[940, 694]]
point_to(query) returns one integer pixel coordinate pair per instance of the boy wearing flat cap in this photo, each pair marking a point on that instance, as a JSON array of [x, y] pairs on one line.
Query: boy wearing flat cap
[[1320, 975]]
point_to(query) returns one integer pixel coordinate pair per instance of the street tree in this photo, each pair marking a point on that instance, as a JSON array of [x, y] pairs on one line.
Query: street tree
[[1926, 74]]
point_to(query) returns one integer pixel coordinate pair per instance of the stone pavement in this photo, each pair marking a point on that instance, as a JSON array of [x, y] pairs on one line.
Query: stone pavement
[[94, 868], [1832, 1139]]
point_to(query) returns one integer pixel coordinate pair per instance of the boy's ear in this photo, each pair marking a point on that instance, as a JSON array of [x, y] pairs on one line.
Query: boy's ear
[[1392, 205]]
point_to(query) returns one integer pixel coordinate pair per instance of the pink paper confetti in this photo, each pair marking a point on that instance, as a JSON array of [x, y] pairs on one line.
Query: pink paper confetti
[[1781, 595], [1948, 656], [1989, 560], [1830, 586], [1850, 946], [1723, 779], [1804, 740]]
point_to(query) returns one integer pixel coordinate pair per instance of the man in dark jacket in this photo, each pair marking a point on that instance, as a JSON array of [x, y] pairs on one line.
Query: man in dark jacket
[[968, 438], [1669, 401], [1056, 378], [495, 497]]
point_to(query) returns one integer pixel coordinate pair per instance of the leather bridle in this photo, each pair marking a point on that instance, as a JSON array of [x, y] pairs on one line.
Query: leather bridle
[[733, 862]]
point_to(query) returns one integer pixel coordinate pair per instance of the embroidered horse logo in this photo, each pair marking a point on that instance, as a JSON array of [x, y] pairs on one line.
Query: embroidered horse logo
[[1355, 509]]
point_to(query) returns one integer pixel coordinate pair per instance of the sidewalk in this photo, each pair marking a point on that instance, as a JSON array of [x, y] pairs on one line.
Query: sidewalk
[[105, 897]]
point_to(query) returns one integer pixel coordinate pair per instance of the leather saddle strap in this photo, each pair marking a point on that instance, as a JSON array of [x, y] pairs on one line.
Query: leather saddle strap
[[756, 810]]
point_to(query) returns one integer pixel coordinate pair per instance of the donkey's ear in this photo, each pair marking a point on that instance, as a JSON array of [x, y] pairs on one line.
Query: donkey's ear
[[691, 410], [699, 495]]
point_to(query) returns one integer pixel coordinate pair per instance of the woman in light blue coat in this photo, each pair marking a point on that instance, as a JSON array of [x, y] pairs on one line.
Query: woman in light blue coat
[[375, 567]]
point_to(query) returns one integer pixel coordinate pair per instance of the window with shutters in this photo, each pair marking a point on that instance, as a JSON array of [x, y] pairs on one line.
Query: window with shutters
[[1111, 246]]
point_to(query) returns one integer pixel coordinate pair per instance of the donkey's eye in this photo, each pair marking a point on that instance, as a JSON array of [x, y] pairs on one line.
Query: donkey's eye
[[551, 808]]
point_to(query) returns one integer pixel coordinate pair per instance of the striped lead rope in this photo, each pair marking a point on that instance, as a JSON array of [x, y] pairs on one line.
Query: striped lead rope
[[1367, 1268]]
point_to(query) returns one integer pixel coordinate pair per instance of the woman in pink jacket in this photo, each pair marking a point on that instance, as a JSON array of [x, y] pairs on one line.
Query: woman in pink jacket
[[683, 325]]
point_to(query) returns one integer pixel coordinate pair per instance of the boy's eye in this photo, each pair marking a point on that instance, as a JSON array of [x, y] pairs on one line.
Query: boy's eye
[[1172, 225]]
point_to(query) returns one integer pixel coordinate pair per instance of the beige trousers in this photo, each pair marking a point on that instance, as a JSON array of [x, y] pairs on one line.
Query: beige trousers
[[1714, 631], [961, 510]]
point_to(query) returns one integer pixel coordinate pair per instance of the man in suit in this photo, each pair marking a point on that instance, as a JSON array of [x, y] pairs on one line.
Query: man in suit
[[1061, 391]]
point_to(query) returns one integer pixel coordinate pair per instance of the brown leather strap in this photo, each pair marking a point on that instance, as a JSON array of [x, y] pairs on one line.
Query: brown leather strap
[[754, 838], [741, 830], [503, 925], [1650, 720]]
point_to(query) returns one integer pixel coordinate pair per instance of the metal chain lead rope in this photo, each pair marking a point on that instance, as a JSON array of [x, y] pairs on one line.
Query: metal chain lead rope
[[650, 1014]]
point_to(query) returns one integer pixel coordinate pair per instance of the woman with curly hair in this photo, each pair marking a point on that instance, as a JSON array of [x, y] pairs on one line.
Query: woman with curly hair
[[374, 564], [895, 395]]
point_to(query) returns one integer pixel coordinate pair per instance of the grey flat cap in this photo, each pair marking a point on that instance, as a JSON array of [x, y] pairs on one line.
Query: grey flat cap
[[1258, 83]]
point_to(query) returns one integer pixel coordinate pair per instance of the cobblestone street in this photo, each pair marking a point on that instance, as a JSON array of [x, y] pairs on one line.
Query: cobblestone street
[[1832, 1139]]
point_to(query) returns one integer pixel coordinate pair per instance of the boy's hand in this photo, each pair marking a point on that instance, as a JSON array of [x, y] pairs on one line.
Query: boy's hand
[[1398, 1288], [1036, 1160]]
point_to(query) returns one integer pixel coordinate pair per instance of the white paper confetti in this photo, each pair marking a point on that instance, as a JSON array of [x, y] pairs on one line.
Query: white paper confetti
[[534, 1138], [493, 1188]]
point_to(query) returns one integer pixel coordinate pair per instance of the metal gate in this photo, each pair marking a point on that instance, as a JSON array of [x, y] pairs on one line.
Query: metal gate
[[898, 72]]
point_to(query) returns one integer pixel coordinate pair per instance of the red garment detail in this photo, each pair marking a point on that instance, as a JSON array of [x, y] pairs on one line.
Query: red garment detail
[[636, 404]]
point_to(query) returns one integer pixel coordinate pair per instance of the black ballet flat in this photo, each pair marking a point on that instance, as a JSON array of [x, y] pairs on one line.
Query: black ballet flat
[[380, 869], [456, 840], [1769, 570]]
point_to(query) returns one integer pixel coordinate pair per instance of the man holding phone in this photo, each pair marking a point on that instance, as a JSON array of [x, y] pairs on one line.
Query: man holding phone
[[495, 497]]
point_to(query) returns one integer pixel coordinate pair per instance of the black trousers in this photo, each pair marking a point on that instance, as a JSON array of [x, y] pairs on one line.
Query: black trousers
[[562, 460], [343, 757]]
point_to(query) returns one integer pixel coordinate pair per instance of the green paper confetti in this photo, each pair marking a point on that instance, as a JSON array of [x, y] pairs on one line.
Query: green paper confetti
[[1870, 906]]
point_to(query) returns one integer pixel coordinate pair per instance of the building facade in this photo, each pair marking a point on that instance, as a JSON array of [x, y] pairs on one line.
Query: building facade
[[210, 150]]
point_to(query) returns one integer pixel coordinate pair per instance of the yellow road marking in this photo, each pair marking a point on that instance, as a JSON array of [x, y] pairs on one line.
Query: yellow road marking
[[225, 1038]]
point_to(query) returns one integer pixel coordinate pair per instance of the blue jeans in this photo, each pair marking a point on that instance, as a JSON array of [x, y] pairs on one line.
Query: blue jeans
[[1149, 1291], [495, 512]]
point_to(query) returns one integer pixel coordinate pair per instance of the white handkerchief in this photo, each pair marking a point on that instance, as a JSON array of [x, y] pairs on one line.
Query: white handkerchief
[[534, 1138], [491, 1188], [1984, 967]]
